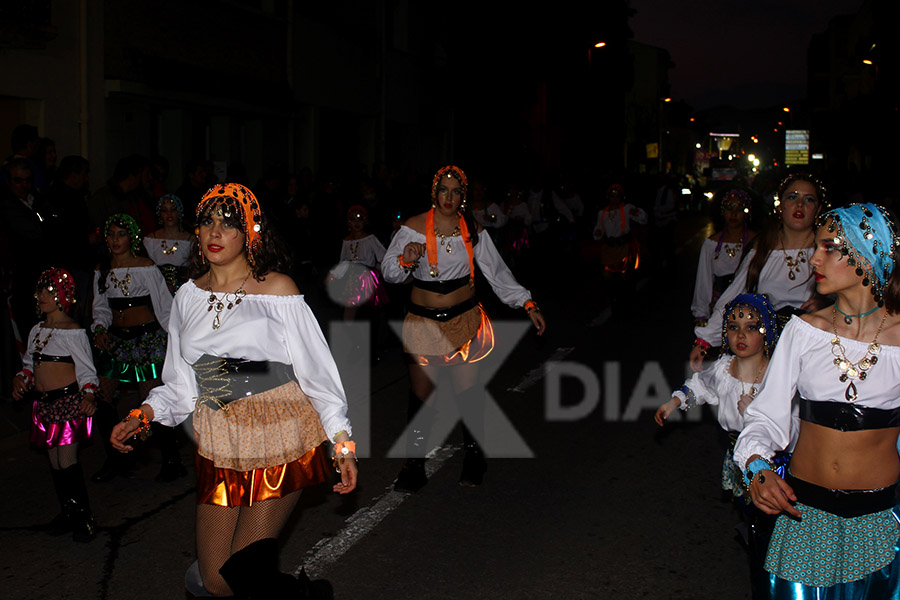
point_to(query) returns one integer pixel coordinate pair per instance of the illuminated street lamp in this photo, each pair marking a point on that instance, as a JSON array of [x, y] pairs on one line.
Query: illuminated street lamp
[[866, 61], [599, 44], [786, 109]]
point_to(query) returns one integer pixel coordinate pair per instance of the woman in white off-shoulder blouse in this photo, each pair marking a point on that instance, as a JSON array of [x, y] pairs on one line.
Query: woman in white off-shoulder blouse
[[445, 325], [247, 359]]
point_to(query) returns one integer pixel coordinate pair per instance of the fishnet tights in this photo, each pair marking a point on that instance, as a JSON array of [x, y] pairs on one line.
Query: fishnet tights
[[63, 457], [223, 531]]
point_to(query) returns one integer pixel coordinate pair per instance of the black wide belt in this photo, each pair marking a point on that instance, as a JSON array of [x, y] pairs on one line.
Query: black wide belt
[[441, 287], [845, 416], [130, 302], [54, 395], [39, 357], [443, 314], [224, 380], [843, 503]]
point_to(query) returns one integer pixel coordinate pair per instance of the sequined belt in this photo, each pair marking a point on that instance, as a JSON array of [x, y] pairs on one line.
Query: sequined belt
[[844, 416], [39, 357], [843, 503], [441, 287], [224, 380], [443, 314], [136, 331], [54, 395], [130, 302]]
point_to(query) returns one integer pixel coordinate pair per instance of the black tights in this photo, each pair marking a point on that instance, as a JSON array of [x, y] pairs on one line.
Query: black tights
[[223, 531], [63, 457]]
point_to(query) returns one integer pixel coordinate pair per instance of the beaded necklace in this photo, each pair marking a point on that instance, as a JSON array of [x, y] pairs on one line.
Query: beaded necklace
[[123, 283], [165, 248]]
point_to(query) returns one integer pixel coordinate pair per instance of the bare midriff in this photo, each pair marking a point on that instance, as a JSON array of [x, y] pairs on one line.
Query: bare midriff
[[130, 317], [53, 375], [846, 460], [435, 300]]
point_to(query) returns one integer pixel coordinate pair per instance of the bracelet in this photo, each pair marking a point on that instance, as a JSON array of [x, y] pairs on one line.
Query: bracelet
[[28, 376], [143, 431], [703, 345], [690, 398], [531, 306], [342, 451], [757, 466], [89, 387], [99, 329], [405, 266]]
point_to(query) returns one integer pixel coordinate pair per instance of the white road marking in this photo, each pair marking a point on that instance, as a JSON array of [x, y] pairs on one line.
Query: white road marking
[[537, 373], [329, 550]]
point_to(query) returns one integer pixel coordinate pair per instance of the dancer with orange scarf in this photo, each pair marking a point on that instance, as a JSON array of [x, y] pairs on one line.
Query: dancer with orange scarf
[[445, 325]]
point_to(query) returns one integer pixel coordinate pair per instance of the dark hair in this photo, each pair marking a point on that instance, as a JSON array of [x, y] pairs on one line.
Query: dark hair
[[106, 260], [18, 163], [766, 241], [23, 134], [71, 164], [271, 256], [472, 225], [128, 166]]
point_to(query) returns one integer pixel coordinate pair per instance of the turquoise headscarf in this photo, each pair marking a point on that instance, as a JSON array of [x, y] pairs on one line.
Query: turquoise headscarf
[[867, 236]]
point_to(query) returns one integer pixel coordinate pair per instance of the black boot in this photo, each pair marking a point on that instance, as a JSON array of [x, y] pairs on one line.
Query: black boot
[[77, 507], [412, 476], [172, 468], [252, 573], [60, 523], [474, 463], [105, 418]]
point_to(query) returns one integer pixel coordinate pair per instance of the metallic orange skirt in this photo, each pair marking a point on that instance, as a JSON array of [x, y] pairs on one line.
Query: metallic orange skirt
[[227, 487], [466, 338]]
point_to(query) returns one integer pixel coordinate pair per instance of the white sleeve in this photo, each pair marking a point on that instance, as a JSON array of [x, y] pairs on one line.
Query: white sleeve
[[599, 225], [767, 420], [160, 296], [390, 268], [703, 285], [640, 218], [377, 249], [712, 331], [500, 217], [102, 313], [175, 399], [85, 373], [498, 274], [563, 209], [701, 387], [315, 369], [27, 361]]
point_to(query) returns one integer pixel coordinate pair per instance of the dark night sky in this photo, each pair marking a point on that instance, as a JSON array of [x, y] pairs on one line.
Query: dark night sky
[[746, 53]]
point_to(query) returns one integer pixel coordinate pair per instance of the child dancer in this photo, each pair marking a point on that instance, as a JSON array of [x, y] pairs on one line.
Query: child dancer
[[59, 369], [355, 281], [735, 378], [731, 383]]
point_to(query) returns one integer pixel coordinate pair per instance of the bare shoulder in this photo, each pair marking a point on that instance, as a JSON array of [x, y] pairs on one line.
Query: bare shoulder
[[821, 319], [68, 322], [417, 223], [143, 261], [274, 284], [890, 333]]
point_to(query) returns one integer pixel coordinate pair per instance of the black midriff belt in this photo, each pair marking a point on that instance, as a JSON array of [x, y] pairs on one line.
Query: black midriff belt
[[441, 287], [39, 357], [844, 416], [130, 302], [443, 314], [224, 380], [135, 331], [54, 395], [843, 503]]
